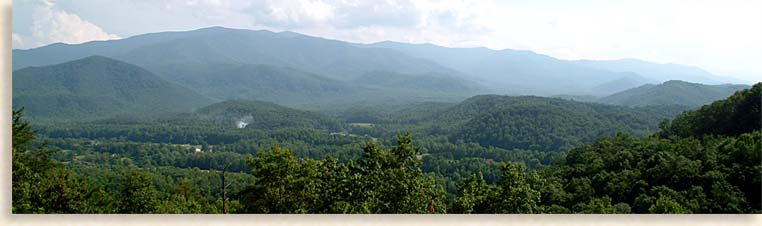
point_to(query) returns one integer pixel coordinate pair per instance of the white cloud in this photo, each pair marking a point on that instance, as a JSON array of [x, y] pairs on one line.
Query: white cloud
[[50, 25]]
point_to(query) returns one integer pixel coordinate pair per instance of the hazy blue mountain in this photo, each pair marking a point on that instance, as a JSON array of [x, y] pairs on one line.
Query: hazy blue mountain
[[629, 81], [659, 72], [309, 71], [287, 68], [96, 87], [672, 92], [514, 71], [525, 72], [257, 82], [217, 45], [61, 52], [434, 83]]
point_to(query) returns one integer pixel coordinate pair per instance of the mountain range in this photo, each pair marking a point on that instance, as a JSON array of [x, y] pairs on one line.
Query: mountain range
[[190, 69]]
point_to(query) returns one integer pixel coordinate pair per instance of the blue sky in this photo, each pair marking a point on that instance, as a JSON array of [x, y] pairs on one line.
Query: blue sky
[[720, 36]]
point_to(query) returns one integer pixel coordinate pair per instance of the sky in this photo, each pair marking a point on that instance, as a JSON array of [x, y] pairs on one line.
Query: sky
[[721, 36]]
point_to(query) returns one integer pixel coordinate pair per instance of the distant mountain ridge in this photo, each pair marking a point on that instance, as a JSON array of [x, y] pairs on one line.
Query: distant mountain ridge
[[218, 45], [511, 71], [526, 72], [660, 72]]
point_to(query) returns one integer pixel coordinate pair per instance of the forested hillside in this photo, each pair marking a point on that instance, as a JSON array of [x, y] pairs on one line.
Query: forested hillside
[[538, 123], [257, 114], [693, 165], [262, 82], [672, 92], [98, 87]]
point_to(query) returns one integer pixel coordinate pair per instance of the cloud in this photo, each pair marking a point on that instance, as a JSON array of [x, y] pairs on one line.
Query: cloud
[[289, 14], [444, 22], [50, 25]]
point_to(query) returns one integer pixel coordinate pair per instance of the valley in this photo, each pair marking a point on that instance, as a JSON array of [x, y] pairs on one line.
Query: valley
[[302, 124]]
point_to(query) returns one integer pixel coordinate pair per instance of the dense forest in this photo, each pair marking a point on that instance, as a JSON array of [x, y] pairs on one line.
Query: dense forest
[[487, 154]]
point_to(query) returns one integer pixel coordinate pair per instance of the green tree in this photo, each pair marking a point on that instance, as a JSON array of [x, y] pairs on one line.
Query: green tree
[[516, 195], [474, 195], [284, 184], [137, 193], [38, 184], [60, 192], [665, 204]]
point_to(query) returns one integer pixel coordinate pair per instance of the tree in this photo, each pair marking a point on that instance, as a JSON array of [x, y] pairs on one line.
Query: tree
[[665, 204], [284, 184], [38, 185], [474, 195], [137, 193], [394, 182], [60, 192], [516, 195]]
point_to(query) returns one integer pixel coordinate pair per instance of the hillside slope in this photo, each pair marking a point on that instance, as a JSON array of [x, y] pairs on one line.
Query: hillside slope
[[538, 123], [672, 92], [740, 113], [282, 85], [97, 87]]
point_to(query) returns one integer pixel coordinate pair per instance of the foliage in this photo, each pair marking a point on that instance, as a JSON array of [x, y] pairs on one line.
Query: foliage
[[738, 114], [143, 167], [97, 87], [384, 181], [672, 93]]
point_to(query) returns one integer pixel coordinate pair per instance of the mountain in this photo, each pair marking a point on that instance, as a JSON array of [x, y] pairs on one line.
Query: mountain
[[517, 72], [218, 45], [314, 73], [287, 68], [659, 72], [293, 87], [672, 92], [539, 123], [278, 84], [258, 115], [434, 83], [97, 87], [621, 84]]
